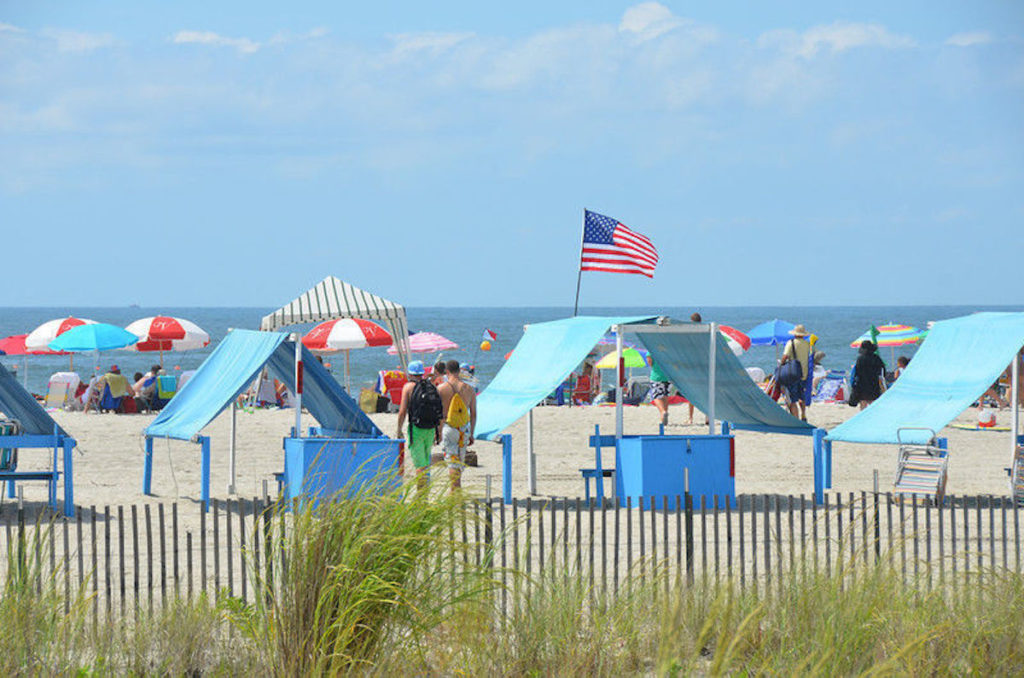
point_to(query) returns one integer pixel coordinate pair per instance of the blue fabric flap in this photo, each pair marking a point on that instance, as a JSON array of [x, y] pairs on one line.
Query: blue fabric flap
[[958, 362], [17, 403], [685, 359], [543, 358]]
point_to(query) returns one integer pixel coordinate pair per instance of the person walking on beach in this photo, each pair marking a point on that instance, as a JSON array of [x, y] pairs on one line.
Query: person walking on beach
[[439, 373], [868, 379], [798, 349], [659, 391], [458, 401], [422, 403]]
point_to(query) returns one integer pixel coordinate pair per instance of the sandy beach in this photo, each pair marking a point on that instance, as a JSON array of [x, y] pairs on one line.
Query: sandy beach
[[109, 458]]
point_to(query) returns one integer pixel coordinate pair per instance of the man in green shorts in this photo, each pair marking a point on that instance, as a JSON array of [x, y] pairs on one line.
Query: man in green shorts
[[422, 404]]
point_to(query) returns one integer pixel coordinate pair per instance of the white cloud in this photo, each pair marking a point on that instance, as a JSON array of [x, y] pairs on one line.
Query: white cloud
[[969, 39], [834, 38], [406, 43], [76, 41], [10, 28], [243, 45], [648, 20]]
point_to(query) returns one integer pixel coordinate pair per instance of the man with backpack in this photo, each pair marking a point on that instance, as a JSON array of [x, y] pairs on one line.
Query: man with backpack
[[459, 407], [422, 403]]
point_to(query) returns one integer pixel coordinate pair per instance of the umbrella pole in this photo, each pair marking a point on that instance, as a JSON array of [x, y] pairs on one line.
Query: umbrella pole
[[24, 375], [348, 385]]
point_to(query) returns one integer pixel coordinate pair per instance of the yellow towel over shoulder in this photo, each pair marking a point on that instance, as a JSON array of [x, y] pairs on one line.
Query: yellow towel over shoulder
[[458, 413]]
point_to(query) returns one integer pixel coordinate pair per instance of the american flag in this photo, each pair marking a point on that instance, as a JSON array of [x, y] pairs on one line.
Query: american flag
[[612, 247]]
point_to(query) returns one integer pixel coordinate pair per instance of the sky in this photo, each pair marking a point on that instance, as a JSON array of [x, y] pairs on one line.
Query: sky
[[776, 153]]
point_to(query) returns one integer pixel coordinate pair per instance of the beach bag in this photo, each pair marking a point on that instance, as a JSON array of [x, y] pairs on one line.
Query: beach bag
[[790, 372], [458, 413], [425, 408]]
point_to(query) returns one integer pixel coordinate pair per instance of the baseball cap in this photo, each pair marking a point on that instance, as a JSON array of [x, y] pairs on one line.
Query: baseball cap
[[415, 368]]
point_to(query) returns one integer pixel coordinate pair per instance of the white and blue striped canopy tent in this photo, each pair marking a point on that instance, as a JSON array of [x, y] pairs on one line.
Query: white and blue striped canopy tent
[[332, 298]]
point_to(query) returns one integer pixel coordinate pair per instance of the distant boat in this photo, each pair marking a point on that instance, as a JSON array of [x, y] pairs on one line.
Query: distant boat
[[134, 306]]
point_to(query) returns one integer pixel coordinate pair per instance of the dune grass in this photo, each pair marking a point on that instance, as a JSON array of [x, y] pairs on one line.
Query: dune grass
[[385, 584]]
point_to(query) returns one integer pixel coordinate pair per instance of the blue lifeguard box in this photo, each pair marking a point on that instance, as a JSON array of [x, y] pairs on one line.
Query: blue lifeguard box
[[655, 467], [321, 468]]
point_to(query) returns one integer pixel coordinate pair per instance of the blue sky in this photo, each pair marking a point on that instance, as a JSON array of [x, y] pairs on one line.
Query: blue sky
[[231, 153]]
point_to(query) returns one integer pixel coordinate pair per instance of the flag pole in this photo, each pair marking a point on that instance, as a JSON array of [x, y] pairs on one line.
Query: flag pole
[[579, 273]]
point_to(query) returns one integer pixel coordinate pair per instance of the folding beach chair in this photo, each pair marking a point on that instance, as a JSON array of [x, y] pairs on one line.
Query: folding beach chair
[[61, 389], [921, 469]]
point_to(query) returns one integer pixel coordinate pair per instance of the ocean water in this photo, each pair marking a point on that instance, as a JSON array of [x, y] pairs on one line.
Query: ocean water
[[836, 327]]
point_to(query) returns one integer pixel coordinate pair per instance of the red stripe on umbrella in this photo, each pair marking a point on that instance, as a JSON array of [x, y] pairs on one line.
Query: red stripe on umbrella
[[345, 334], [164, 333], [38, 340], [738, 341]]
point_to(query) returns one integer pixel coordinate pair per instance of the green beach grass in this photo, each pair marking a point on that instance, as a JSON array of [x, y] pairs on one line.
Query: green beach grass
[[385, 584]]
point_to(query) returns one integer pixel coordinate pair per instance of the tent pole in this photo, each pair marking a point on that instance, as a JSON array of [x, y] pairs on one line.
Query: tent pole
[[711, 379], [618, 381], [231, 450], [1014, 418], [298, 386], [532, 467]]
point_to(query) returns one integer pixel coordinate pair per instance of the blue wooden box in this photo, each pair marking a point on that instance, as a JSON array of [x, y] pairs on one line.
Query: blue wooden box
[[324, 467], [653, 467]]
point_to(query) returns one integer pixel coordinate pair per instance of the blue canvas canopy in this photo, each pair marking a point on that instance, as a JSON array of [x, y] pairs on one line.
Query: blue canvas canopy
[[685, 359], [543, 358], [234, 364], [17, 403], [955, 365]]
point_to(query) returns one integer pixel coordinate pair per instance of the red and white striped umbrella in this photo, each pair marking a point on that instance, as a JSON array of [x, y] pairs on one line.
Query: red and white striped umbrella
[[345, 334], [38, 340], [164, 333], [738, 341], [427, 342]]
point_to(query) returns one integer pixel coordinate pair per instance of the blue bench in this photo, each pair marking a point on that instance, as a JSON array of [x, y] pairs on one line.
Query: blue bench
[[599, 477]]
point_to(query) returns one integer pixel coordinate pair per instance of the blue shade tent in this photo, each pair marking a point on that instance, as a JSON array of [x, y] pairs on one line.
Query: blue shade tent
[[955, 365], [17, 403], [38, 430], [234, 364], [228, 371], [686, 360], [543, 358]]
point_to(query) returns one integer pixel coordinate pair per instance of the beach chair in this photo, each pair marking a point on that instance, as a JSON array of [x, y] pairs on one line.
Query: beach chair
[[61, 389], [921, 469], [107, 402], [581, 393]]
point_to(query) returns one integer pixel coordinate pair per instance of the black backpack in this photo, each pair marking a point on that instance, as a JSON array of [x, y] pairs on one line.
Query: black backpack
[[425, 405]]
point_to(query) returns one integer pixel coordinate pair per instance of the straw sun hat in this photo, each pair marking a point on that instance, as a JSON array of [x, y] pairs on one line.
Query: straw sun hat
[[799, 331]]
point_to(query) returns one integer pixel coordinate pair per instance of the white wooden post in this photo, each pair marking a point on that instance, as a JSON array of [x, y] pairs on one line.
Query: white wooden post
[[531, 469], [231, 449], [711, 379], [618, 382], [1014, 419]]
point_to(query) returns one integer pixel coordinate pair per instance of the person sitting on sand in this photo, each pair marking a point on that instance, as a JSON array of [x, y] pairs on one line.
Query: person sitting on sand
[[113, 380], [901, 364], [458, 402]]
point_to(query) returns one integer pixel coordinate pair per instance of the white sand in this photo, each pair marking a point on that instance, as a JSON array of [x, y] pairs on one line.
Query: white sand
[[109, 460]]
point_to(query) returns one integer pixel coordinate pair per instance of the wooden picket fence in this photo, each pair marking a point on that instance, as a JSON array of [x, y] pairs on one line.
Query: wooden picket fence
[[138, 557]]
